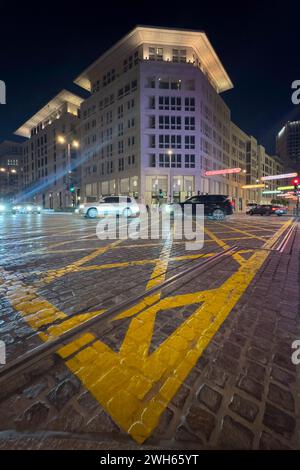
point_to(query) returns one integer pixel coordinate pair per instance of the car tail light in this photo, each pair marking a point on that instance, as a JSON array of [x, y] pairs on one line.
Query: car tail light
[[274, 208]]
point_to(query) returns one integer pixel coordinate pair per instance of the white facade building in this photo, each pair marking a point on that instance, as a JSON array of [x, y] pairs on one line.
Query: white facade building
[[155, 120], [50, 159]]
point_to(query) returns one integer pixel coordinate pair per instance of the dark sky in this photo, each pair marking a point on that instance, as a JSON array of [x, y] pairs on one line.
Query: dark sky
[[44, 46]]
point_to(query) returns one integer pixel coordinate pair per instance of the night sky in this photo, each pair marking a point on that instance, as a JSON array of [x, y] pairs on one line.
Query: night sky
[[44, 47]]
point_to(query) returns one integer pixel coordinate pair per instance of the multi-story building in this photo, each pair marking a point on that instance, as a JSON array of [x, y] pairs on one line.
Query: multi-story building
[[155, 120], [10, 157], [268, 165], [288, 145], [50, 161], [238, 149], [154, 127]]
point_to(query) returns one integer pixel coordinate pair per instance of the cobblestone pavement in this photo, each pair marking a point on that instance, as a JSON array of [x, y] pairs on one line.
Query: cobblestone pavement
[[203, 363]]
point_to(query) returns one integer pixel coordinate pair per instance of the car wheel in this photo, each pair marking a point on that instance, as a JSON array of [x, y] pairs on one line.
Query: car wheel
[[127, 212], [218, 214], [92, 213]]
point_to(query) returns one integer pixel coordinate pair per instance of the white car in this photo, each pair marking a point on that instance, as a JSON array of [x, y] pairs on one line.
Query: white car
[[110, 205]]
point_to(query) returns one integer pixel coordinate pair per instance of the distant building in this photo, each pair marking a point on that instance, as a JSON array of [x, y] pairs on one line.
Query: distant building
[[10, 159], [288, 145], [49, 170]]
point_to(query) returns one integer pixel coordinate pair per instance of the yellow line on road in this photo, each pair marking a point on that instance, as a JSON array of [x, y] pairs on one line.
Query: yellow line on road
[[224, 245], [133, 385], [250, 235], [56, 273]]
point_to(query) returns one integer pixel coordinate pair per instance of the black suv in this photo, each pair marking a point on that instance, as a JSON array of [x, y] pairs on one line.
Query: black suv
[[215, 205], [267, 209]]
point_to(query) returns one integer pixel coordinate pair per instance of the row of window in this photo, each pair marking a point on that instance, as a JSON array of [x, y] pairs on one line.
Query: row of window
[[174, 161], [157, 53], [109, 100], [172, 103], [172, 141], [170, 83], [108, 167]]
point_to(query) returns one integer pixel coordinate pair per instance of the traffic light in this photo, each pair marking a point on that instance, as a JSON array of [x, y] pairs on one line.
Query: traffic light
[[296, 184], [72, 188]]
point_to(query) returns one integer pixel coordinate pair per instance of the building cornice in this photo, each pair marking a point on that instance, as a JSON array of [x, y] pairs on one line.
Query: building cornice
[[166, 36], [48, 110]]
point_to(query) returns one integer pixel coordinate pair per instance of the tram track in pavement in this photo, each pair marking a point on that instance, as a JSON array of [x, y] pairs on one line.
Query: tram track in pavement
[[31, 358], [279, 245]]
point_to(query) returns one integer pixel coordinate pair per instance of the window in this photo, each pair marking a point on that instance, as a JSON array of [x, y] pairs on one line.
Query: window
[[175, 104], [120, 93], [133, 85], [169, 161], [179, 55], [151, 122], [164, 102], [167, 103], [163, 84], [120, 129], [151, 102], [127, 89], [189, 104], [155, 53], [189, 161], [150, 82], [189, 142], [151, 141], [152, 160], [169, 141], [164, 122], [120, 111], [121, 164], [120, 146], [189, 123], [175, 85]]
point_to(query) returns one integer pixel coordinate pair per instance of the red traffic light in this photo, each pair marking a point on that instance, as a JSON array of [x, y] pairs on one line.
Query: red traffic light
[[296, 181]]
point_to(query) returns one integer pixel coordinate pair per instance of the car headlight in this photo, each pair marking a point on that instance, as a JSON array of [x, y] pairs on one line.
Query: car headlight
[[15, 208], [28, 208], [2, 207], [39, 208], [81, 206]]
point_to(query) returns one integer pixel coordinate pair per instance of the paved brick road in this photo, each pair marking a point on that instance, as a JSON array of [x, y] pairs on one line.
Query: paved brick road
[[204, 363]]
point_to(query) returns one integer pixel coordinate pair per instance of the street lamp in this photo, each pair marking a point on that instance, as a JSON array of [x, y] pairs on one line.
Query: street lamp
[[170, 152], [70, 143]]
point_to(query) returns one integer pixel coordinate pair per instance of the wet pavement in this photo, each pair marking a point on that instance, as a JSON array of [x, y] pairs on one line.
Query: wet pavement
[[204, 362]]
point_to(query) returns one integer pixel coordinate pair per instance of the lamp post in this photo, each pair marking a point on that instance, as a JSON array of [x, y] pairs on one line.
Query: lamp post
[[71, 143], [170, 153]]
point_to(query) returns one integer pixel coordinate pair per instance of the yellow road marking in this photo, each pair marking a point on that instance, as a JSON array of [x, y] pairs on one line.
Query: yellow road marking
[[251, 235], [124, 264], [132, 385], [56, 273], [224, 245]]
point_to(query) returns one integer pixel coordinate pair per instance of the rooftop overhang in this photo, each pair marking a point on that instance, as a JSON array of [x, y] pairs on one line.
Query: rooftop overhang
[[43, 114], [171, 37]]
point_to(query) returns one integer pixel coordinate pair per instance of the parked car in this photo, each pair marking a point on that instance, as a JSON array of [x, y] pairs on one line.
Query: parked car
[[26, 208], [110, 205], [251, 205], [215, 205], [5, 208], [280, 210], [267, 209]]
